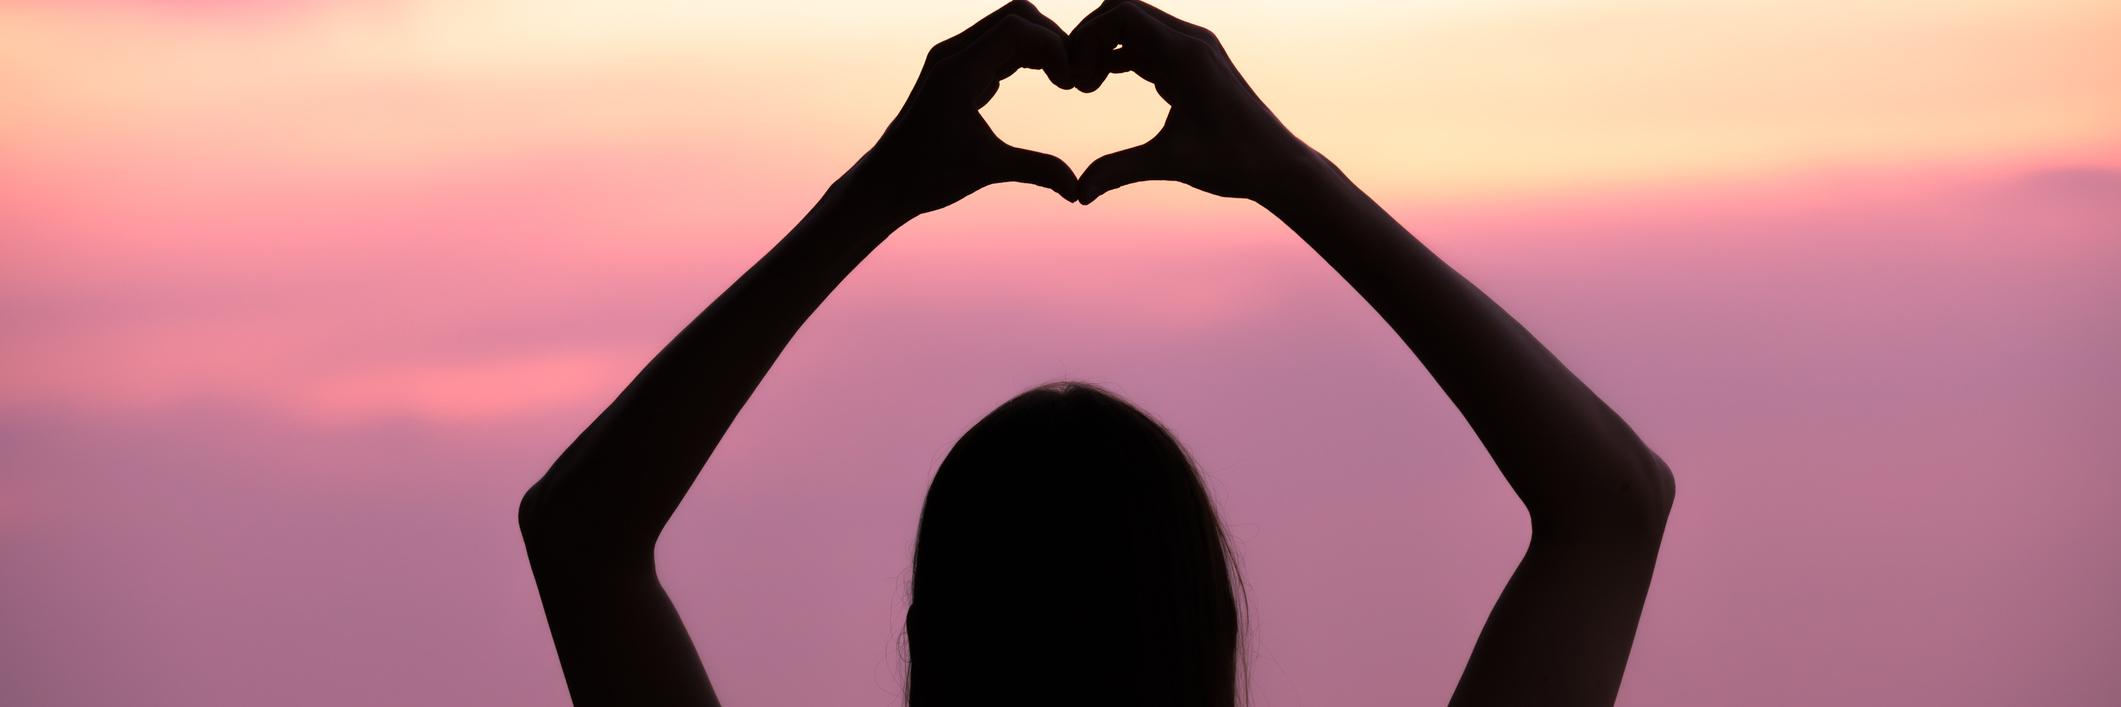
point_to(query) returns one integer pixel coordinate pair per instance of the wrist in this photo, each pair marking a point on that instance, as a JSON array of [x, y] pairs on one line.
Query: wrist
[[863, 201], [849, 221], [1301, 180]]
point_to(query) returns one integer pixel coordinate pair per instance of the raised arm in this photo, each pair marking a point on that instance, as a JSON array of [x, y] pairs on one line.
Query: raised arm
[[590, 525], [1598, 498]]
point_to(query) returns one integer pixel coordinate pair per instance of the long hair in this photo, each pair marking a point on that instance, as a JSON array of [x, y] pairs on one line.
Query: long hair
[[1068, 554]]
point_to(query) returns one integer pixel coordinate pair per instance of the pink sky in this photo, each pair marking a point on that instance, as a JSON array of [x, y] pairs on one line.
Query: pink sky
[[297, 297]]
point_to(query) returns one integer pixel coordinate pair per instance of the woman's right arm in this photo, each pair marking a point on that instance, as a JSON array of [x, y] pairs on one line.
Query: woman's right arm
[[590, 525], [1598, 498]]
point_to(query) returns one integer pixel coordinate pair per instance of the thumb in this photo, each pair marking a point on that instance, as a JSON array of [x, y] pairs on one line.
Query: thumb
[[1140, 163], [1016, 164]]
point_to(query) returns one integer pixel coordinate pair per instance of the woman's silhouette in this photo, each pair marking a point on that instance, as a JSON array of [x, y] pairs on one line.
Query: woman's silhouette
[[1067, 553]]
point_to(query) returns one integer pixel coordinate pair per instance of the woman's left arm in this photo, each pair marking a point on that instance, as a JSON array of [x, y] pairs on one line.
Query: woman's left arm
[[590, 525], [1597, 496]]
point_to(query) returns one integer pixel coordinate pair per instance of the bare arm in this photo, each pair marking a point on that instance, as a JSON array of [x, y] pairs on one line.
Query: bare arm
[[1598, 498], [1561, 632], [590, 525]]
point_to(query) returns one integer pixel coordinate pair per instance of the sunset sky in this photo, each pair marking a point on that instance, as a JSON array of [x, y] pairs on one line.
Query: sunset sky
[[297, 296]]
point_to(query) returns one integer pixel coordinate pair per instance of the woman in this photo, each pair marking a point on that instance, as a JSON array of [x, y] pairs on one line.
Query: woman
[[1067, 553]]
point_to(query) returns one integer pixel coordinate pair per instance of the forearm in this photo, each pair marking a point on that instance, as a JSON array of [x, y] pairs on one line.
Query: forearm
[[609, 495], [590, 525], [1561, 448], [1596, 496], [1561, 632]]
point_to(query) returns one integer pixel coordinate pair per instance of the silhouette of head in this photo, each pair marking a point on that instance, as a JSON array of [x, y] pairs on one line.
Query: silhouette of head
[[1069, 555]]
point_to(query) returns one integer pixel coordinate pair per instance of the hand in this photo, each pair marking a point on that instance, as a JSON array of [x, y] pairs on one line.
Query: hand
[[939, 150], [1219, 137]]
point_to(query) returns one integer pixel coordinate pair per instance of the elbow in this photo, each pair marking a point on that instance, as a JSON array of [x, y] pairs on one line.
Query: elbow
[[552, 542], [1623, 501], [1659, 488], [541, 524], [1638, 486], [1646, 482], [565, 532], [530, 516], [527, 509], [1643, 502]]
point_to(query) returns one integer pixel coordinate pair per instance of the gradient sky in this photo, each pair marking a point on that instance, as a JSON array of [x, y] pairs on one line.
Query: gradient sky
[[296, 296]]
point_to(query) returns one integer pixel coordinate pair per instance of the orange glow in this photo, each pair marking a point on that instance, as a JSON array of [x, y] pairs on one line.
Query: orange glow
[[1436, 101]]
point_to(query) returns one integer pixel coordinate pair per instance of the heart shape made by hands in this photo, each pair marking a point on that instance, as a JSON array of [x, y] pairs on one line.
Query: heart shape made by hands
[[1028, 112]]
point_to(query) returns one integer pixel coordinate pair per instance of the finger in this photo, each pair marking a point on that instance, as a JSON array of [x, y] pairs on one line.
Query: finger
[[963, 39], [1087, 41], [1056, 69], [1181, 26], [1112, 25], [1191, 30], [1102, 8], [1140, 163], [1029, 12], [1021, 165], [1014, 9], [1014, 43], [1178, 25], [1121, 60]]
